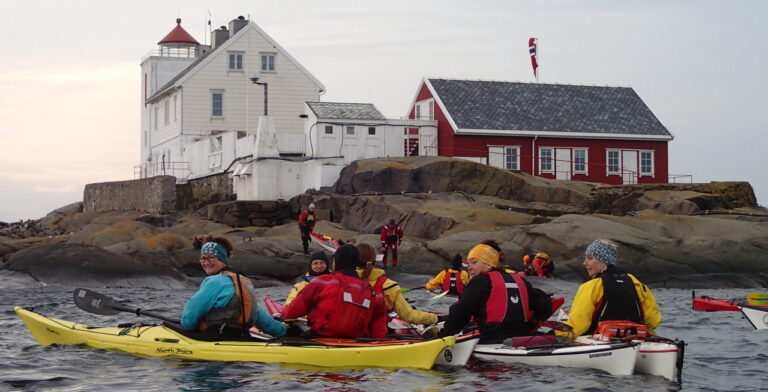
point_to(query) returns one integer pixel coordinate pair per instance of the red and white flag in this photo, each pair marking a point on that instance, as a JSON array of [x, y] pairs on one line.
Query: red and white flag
[[532, 43]]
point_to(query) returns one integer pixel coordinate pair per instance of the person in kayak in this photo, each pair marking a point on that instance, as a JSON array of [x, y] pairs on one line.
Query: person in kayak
[[540, 265], [341, 305], [318, 265], [225, 305], [610, 294], [504, 305], [393, 295], [307, 220], [451, 279]]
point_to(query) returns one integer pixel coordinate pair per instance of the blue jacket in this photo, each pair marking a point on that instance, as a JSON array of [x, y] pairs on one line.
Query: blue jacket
[[215, 292]]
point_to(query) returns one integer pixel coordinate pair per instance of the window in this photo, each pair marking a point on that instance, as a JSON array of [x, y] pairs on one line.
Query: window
[[236, 61], [371, 130], [215, 144], [646, 163], [175, 108], [613, 162], [512, 158], [157, 114], [268, 62], [329, 129], [351, 131], [545, 160], [425, 110], [166, 112], [580, 161], [217, 104]]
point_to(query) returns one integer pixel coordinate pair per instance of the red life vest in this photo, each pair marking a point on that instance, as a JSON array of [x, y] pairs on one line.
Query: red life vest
[[508, 300], [344, 308], [239, 311], [452, 282]]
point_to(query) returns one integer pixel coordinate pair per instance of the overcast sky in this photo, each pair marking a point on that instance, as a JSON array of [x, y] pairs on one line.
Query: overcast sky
[[70, 76]]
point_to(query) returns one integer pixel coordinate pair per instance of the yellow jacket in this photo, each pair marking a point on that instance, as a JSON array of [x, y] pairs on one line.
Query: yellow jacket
[[437, 281], [297, 287], [394, 300], [591, 292]]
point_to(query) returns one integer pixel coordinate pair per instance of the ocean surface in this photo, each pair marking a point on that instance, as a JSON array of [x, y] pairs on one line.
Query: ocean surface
[[724, 353]]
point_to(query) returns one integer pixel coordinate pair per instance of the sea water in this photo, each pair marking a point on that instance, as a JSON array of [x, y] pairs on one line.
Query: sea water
[[723, 353]]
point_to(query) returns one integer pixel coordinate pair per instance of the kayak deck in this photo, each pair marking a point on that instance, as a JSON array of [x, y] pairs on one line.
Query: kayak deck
[[160, 341]]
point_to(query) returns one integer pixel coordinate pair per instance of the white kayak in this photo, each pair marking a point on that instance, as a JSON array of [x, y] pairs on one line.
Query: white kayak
[[756, 315], [613, 358], [459, 353], [662, 357]]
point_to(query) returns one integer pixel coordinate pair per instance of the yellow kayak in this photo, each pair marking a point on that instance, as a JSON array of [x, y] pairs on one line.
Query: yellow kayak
[[160, 341]]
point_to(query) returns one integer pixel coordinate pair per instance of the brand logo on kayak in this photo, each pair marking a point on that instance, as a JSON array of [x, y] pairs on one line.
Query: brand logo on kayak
[[448, 355], [600, 355], [173, 350], [765, 320], [53, 331], [515, 299]]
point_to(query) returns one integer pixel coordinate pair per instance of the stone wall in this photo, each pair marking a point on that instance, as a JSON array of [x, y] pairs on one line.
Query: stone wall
[[206, 190], [156, 195], [250, 213]]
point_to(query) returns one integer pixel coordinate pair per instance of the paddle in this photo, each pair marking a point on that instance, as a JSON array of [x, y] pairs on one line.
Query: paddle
[[93, 302], [405, 290], [437, 297]]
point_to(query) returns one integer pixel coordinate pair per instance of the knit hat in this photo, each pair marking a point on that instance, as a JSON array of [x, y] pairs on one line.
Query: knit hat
[[346, 257], [216, 249], [602, 251], [485, 254], [311, 205], [320, 255]]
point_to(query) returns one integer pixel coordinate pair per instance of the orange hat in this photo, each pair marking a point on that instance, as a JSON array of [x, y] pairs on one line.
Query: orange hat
[[485, 254], [526, 259]]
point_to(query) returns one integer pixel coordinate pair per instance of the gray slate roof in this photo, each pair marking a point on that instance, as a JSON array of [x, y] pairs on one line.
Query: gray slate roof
[[352, 111], [546, 107]]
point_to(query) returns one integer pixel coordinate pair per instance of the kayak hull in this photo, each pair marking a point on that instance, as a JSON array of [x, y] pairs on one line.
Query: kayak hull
[[459, 353], [706, 304], [613, 358], [160, 341], [654, 358], [757, 315]]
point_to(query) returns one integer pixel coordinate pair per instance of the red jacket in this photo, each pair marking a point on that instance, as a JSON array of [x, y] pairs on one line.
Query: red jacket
[[307, 219], [391, 234], [340, 306]]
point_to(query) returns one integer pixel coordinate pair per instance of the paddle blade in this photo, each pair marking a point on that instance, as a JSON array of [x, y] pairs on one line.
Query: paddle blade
[[757, 298], [437, 297], [94, 302]]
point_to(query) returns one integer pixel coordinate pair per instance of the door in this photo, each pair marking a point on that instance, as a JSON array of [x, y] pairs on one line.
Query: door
[[629, 167], [563, 163]]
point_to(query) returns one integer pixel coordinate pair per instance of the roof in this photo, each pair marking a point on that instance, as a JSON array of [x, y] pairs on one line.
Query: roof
[[352, 111], [537, 107], [178, 35]]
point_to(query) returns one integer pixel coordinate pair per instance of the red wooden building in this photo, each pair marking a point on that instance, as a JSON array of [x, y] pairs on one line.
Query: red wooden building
[[585, 133]]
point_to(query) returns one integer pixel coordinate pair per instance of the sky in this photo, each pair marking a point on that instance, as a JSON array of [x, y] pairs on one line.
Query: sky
[[70, 75]]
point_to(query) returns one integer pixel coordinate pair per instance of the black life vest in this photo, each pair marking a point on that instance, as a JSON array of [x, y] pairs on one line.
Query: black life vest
[[619, 302]]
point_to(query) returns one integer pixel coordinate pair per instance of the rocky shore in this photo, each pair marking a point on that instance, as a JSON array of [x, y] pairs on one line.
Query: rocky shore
[[673, 235]]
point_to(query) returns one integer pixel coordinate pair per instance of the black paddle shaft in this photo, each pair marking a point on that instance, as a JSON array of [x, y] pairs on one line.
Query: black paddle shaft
[[93, 302]]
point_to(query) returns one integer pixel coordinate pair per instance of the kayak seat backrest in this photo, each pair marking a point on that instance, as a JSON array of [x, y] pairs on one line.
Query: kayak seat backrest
[[528, 341]]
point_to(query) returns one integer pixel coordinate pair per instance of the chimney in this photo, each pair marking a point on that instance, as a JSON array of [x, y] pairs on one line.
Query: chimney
[[236, 25], [218, 36]]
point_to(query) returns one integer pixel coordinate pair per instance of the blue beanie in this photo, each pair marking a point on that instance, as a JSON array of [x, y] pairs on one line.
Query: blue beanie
[[602, 251], [216, 249]]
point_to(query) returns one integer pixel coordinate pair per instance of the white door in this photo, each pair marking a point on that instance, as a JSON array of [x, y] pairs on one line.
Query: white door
[[629, 167], [563, 163]]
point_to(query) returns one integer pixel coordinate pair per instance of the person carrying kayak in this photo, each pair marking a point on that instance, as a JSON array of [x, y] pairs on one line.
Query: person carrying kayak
[[503, 305], [539, 265], [226, 304], [393, 295], [391, 235], [341, 305], [451, 279], [609, 295], [307, 220], [318, 265]]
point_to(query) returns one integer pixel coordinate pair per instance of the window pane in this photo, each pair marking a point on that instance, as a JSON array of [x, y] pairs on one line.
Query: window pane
[[231, 61], [329, 130], [371, 130], [239, 61], [579, 161], [350, 130], [646, 162], [217, 104], [613, 161], [546, 159], [263, 63]]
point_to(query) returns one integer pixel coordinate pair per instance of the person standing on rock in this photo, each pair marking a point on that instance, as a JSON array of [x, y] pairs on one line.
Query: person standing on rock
[[391, 236], [610, 294], [225, 306], [307, 220]]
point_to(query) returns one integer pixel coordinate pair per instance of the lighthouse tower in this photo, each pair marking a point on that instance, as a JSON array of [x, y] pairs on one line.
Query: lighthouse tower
[[174, 53]]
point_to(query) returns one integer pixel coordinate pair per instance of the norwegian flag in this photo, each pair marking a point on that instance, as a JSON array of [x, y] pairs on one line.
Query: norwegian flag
[[532, 43]]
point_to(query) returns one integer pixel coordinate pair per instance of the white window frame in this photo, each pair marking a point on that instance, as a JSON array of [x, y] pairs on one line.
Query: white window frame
[[235, 61], [608, 170], [585, 170], [649, 173], [550, 160], [427, 105], [213, 103], [508, 165], [265, 64], [350, 130]]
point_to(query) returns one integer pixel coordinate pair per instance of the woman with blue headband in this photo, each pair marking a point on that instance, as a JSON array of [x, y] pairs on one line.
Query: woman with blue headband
[[226, 304], [609, 294]]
